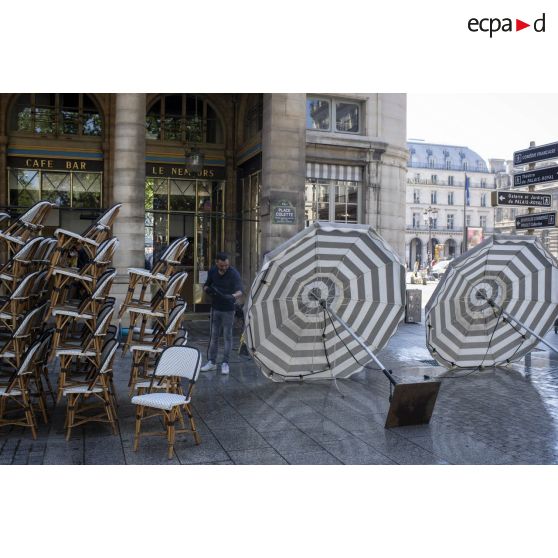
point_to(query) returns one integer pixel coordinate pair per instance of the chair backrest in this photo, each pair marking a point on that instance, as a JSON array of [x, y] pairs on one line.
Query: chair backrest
[[23, 289], [106, 250], [45, 248], [174, 318], [45, 345], [36, 213], [24, 327], [103, 320], [104, 284], [184, 242], [181, 338], [170, 250], [27, 252], [184, 362], [107, 219], [107, 355], [29, 357], [174, 284]]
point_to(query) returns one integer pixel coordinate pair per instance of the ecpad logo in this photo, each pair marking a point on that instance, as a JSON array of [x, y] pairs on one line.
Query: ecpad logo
[[493, 25]]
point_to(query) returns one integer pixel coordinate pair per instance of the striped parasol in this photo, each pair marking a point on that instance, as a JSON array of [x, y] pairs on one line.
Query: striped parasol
[[493, 303], [326, 270]]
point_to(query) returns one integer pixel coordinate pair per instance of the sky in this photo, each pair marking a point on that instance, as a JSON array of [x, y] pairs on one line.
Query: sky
[[494, 125]]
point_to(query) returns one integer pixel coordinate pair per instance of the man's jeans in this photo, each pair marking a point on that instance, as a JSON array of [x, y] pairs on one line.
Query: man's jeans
[[221, 321]]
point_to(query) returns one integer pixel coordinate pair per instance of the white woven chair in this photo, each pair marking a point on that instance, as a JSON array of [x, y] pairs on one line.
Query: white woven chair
[[174, 365]]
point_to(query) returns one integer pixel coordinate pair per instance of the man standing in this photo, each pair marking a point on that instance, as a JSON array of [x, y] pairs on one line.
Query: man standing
[[225, 287]]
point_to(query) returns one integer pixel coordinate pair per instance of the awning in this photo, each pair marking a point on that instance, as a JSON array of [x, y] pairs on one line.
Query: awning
[[334, 172]]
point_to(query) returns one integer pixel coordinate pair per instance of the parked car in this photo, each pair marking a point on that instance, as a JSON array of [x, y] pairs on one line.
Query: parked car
[[439, 269]]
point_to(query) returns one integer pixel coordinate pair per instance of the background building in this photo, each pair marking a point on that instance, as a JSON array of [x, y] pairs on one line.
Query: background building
[[233, 172], [435, 213]]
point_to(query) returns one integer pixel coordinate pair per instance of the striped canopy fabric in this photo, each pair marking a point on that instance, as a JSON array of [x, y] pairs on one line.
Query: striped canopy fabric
[[519, 276], [350, 267]]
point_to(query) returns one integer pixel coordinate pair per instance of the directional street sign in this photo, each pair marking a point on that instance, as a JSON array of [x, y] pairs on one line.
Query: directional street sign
[[527, 199], [535, 220], [539, 176], [534, 154]]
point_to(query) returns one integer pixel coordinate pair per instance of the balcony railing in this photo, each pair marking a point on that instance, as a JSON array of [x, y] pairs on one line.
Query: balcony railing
[[446, 229], [443, 166], [456, 183]]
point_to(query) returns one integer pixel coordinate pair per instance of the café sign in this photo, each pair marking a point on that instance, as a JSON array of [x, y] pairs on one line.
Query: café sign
[[55, 164]]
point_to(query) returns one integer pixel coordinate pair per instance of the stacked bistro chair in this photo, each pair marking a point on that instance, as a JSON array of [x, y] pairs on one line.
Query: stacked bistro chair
[[90, 240], [156, 311], [38, 286], [21, 263], [28, 225], [86, 313], [151, 343], [175, 364], [14, 306], [94, 393], [157, 276], [85, 277], [15, 389], [80, 357]]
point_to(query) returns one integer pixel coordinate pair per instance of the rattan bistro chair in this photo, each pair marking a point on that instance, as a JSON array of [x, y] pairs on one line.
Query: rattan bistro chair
[[158, 276], [26, 226], [174, 365], [16, 390], [90, 239], [12, 272], [93, 395], [158, 310]]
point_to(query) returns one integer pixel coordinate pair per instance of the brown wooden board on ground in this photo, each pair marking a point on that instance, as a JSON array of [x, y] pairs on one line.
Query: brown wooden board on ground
[[412, 404]]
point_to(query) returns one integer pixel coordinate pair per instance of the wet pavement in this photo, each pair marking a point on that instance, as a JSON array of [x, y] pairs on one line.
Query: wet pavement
[[491, 416]]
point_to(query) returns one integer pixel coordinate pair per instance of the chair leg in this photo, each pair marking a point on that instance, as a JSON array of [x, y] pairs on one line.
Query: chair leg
[[29, 415], [139, 416], [197, 438], [71, 412], [169, 420]]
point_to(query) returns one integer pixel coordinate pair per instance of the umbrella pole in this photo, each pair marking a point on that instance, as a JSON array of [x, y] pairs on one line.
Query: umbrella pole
[[511, 318], [409, 404], [362, 344]]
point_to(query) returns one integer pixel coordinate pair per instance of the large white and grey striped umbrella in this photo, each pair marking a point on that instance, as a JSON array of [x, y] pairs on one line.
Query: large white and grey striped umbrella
[[356, 273], [466, 322]]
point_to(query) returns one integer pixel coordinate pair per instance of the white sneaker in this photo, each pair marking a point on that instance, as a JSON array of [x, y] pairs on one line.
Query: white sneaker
[[224, 368], [209, 365]]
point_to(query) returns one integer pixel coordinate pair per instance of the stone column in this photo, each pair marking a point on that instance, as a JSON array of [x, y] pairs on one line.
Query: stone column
[[129, 186], [283, 164]]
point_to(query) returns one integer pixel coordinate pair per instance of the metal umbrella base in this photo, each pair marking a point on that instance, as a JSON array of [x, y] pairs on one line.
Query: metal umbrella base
[[411, 403]]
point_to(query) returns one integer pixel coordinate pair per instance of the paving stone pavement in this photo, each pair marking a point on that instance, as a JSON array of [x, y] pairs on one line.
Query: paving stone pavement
[[492, 416]]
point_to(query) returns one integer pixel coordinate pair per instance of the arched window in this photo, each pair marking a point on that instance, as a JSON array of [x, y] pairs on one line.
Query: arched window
[[183, 118], [56, 114]]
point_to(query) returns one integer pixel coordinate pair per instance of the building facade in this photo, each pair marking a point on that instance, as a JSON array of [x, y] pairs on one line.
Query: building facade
[[437, 208], [233, 172]]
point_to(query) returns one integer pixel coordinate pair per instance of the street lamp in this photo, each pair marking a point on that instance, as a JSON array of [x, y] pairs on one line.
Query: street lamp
[[429, 215]]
